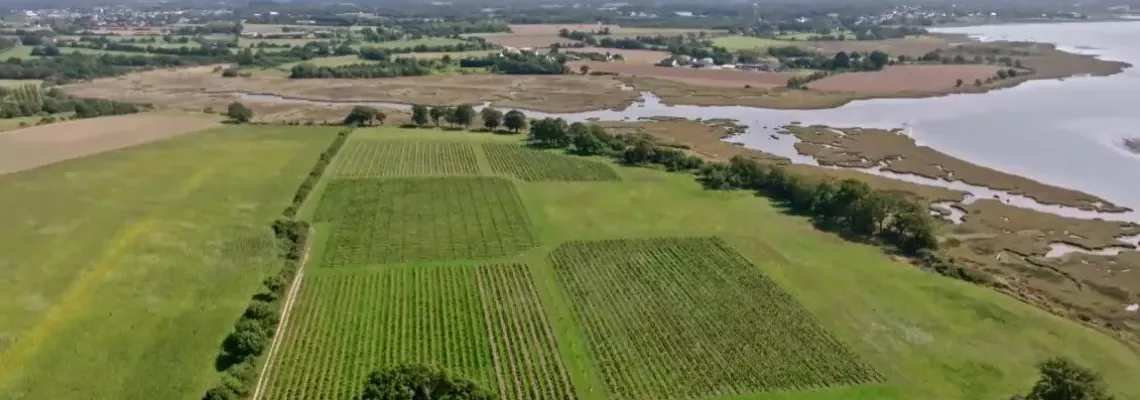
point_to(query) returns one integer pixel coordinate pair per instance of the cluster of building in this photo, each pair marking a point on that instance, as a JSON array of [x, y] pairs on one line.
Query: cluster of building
[[683, 61]]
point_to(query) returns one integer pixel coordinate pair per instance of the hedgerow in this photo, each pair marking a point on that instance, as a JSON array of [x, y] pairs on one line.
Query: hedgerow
[[254, 330]]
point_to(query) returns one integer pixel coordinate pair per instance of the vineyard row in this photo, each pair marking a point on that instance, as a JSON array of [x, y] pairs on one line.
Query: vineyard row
[[689, 318]]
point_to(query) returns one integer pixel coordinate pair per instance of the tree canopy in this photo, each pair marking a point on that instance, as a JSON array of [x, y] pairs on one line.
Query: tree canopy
[[364, 114], [419, 382], [238, 112], [514, 120], [1063, 379]]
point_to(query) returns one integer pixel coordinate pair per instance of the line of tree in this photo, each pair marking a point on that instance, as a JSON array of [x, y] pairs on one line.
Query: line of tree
[[420, 382], [30, 100], [65, 68], [800, 82], [384, 53], [386, 69], [519, 64], [254, 330], [849, 206], [796, 58], [222, 53], [514, 120]]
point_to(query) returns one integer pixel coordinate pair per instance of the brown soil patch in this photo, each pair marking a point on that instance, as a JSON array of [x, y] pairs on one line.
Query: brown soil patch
[[615, 31], [692, 76], [894, 152], [28, 148], [631, 56], [906, 78], [673, 92], [524, 40], [196, 87]]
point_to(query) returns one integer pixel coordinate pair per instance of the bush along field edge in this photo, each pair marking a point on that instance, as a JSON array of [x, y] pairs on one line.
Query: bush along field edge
[[849, 207], [253, 334]]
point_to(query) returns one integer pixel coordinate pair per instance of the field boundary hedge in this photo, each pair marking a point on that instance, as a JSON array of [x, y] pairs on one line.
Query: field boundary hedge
[[255, 330]]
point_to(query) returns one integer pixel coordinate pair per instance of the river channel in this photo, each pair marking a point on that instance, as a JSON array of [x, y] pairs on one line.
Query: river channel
[[1068, 133]]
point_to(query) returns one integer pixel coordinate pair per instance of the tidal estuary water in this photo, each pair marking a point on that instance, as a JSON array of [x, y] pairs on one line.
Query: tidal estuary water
[[1069, 133]]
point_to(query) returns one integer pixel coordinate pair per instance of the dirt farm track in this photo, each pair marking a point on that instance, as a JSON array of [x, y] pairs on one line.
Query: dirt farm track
[[27, 148]]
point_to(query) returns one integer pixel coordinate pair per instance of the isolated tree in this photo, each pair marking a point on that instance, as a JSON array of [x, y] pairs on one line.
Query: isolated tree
[[438, 113], [1012, 73], [418, 382], [464, 115], [419, 114], [492, 118], [841, 61], [878, 59], [584, 69], [514, 120], [977, 82], [959, 83], [1002, 74], [238, 112], [1063, 379], [361, 115]]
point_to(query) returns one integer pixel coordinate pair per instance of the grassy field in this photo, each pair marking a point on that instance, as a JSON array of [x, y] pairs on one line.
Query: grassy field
[[8, 124], [17, 52], [535, 166], [380, 158], [643, 287], [124, 271]]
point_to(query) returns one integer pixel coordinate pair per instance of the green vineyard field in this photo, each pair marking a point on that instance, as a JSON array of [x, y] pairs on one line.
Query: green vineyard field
[[346, 325], [526, 357], [534, 165], [422, 219], [385, 158], [485, 323], [683, 318]]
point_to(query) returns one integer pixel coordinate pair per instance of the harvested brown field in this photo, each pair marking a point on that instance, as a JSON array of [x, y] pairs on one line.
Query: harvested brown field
[[194, 88], [911, 46], [544, 35], [674, 92], [615, 30], [707, 77], [524, 41], [631, 56], [28, 148], [894, 152], [906, 78]]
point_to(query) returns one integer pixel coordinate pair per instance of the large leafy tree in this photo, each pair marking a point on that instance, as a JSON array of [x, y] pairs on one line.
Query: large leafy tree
[[464, 115], [419, 382], [438, 113], [420, 114], [1063, 379], [492, 118], [363, 114], [239, 112], [514, 120]]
